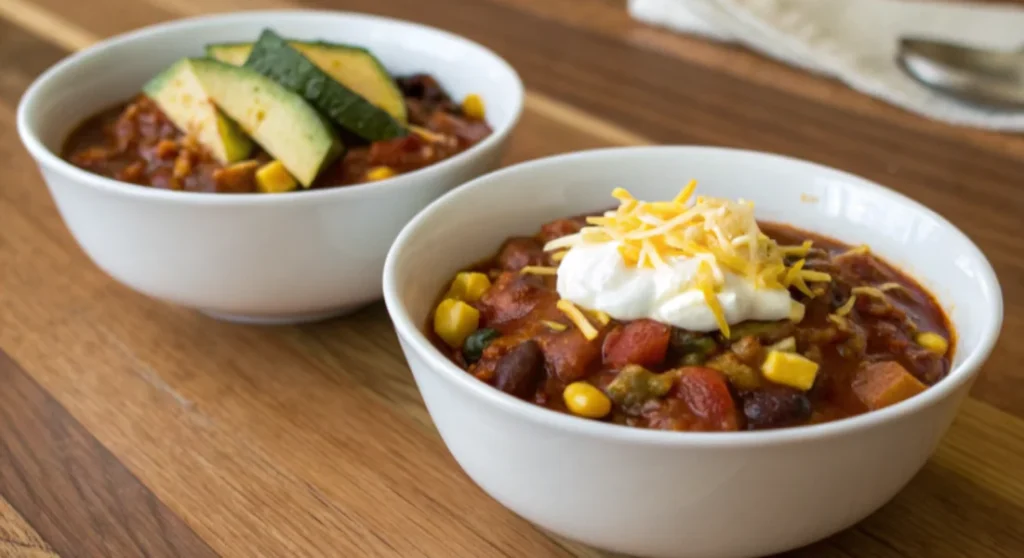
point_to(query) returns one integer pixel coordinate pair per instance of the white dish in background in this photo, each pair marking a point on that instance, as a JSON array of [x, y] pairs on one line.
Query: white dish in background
[[680, 494], [253, 257]]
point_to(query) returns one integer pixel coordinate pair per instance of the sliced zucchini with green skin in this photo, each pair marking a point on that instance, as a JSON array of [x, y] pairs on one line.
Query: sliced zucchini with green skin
[[273, 57], [278, 119], [354, 67], [229, 53], [179, 94]]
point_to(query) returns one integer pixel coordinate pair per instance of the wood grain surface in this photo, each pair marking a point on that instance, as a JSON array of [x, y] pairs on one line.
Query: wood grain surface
[[129, 427]]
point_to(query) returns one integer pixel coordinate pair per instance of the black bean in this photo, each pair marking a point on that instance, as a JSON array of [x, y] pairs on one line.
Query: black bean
[[520, 370], [775, 406]]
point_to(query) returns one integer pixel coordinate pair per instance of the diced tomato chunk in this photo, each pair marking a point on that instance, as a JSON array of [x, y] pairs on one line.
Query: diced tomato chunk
[[569, 355], [707, 394], [881, 384], [643, 342]]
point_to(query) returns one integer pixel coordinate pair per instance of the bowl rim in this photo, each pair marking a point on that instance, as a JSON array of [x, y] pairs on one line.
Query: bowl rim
[[440, 365], [49, 159]]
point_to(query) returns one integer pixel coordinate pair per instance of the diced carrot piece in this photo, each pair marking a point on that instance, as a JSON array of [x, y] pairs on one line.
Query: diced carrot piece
[[882, 384], [643, 342], [706, 392]]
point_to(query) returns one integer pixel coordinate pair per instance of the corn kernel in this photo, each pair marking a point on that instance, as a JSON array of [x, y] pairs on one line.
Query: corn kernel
[[787, 345], [473, 106], [274, 178], [380, 173], [790, 369], [933, 342], [585, 400], [469, 286], [454, 320]]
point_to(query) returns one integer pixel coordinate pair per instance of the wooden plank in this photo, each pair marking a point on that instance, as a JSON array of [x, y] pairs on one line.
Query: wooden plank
[[71, 489], [610, 18], [17, 538]]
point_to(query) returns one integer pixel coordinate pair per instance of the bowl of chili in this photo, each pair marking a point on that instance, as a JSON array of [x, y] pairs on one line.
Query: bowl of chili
[[257, 166], [589, 371]]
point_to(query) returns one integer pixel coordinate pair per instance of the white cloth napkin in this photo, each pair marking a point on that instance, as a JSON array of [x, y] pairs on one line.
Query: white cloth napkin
[[854, 40]]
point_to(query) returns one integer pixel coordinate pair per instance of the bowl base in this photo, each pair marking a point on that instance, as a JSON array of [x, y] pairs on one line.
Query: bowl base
[[281, 319]]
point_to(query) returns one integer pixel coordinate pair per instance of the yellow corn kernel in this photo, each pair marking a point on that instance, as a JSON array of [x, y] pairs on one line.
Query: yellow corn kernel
[[454, 320], [933, 342], [790, 369], [273, 178], [469, 286], [473, 106], [380, 173], [787, 345], [585, 400]]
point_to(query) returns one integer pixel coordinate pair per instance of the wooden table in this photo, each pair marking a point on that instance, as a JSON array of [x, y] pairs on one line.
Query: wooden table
[[129, 427]]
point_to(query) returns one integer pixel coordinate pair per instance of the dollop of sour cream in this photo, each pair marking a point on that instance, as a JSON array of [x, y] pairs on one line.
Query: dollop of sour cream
[[594, 276]]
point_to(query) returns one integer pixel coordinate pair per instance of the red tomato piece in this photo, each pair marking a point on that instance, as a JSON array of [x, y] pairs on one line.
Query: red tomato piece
[[706, 392], [643, 342]]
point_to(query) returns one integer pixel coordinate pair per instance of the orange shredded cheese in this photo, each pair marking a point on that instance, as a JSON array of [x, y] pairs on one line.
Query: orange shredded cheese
[[847, 306], [839, 321], [554, 325], [723, 234], [576, 316], [801, 250], [600, 317], [427, 134], [855, 251], [538, 270], [868, 291]]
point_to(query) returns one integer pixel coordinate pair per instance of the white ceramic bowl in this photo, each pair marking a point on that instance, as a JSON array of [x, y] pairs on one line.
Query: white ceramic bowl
[[699, 495], [252, 257]]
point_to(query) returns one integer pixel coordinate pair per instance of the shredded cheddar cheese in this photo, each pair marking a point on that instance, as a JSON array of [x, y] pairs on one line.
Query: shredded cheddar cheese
[[554, 326], [856, 251], [868, 291], [601, 317], [557, 256], [713, 230], [840, 321], [538, 270], [576, 316], [427, 134], [847, 306]]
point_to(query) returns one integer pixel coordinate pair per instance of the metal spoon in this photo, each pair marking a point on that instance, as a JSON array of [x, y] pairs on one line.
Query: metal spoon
[[983, 77]]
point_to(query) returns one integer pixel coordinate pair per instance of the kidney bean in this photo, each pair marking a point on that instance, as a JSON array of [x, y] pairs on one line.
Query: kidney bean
[[519, 252], [520, 370], [775, 406]]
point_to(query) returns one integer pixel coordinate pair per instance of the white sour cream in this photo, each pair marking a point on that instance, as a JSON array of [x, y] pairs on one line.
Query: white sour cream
[[594, 276]]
